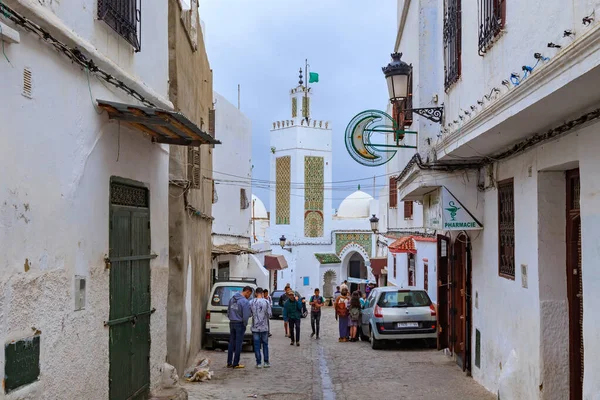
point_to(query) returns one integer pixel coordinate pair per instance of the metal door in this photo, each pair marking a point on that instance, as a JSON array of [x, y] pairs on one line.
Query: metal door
[[443, 291], [129, 321]]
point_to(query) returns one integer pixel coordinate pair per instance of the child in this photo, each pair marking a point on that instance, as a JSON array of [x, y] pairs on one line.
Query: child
[[354, 316]]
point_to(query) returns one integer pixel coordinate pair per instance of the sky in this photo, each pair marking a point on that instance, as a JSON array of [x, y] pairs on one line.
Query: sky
[[261, 44]]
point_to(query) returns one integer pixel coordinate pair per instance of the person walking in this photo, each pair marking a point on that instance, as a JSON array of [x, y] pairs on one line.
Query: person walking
[[354, 316], [238, 312], [292, 311], [341, 312], [260, 309], [282, 300], [270, 300], [316, 302]]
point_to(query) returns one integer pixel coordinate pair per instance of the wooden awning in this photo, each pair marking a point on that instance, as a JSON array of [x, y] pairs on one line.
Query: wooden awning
[[161, 125], [378, 264], [275, 262], [231, 249]]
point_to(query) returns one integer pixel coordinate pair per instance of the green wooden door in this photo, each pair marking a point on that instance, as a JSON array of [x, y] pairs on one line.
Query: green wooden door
[[130, 312]]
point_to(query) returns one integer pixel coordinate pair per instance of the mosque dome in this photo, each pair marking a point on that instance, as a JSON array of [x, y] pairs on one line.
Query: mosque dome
[[260, 211], [356, 205]]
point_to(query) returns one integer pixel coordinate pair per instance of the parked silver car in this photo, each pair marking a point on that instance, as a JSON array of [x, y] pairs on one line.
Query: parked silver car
[[393, 314]]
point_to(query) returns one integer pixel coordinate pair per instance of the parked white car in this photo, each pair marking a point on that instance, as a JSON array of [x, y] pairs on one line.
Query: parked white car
[[217, 322], [394, 313]]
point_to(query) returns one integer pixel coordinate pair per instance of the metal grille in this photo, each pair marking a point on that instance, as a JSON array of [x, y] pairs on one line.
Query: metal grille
[[452, 41], [124, 17], [506, 227], [492, 14], [194, 175], [126, 195]]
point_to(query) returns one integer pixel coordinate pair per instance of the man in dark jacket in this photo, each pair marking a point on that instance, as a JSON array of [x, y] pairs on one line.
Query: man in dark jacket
[[292, 311], [238, 312]]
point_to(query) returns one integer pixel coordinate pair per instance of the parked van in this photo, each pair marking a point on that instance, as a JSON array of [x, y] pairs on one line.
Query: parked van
[[217, 323]]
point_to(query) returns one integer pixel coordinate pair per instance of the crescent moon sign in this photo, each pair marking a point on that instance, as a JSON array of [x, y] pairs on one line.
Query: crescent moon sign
[[359, 134]]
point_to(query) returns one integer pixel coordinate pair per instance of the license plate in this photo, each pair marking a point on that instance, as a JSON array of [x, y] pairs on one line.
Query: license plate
[[408, 324]]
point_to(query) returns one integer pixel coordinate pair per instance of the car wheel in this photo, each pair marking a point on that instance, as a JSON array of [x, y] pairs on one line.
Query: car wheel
[[210, 344], [375, 344], [363, 337]]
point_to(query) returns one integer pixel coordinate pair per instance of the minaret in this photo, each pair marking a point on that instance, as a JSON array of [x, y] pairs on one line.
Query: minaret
[[301, 161]]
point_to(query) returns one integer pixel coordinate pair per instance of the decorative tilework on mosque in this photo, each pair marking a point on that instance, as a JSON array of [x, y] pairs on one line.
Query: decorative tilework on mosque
[[294, 107], [313, 196], [283, 174], [362, 239]]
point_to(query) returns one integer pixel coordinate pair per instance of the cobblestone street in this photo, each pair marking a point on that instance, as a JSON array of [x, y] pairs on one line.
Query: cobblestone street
[[326, 369]]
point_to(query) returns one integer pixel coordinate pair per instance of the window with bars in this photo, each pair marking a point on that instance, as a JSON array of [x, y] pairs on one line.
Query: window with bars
[[506, 229], [452, 41], [393, 195], [408, 210], [492, 16], [394, 257], [194, 175], [125, 18]]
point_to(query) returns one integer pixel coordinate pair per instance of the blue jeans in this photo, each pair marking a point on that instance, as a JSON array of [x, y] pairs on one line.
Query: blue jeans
[[236, 339], [261, 338]]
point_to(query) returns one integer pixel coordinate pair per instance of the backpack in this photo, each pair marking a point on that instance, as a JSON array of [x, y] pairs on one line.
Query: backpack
[[340, 307], [354, 313]]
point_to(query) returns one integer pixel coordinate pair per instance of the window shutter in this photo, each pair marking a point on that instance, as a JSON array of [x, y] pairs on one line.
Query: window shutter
[[408, 210], [211, 122], [244, 203], [194, 175], [393, 195]]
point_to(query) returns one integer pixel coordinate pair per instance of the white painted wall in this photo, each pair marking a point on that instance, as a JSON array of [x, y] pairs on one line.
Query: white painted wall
[[232, 157], [54, 202], [521, 326]]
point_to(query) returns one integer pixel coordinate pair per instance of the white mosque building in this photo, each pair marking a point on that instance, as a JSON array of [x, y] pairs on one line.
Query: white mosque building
[[322, 247]]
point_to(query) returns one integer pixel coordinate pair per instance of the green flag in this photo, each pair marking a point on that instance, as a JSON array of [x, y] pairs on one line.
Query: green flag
[[313, 77]]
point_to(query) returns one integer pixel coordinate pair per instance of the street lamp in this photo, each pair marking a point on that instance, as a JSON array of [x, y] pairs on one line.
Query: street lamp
[[282, 241], [397, 74], [374, 223]]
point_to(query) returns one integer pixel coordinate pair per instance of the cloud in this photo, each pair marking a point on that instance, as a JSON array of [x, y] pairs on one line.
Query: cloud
[[261, 44]]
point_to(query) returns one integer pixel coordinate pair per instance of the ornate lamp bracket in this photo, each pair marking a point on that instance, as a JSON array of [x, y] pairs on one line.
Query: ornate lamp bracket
[[434, 114]]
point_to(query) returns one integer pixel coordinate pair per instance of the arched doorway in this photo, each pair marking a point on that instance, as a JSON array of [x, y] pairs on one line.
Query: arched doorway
[[328, 283], [356, 269]]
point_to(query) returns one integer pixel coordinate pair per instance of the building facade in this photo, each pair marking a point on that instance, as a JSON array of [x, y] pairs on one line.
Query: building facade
[[88, 124], [233, 203], [190, 187], [516, 150]]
